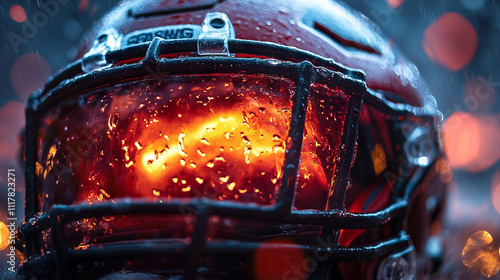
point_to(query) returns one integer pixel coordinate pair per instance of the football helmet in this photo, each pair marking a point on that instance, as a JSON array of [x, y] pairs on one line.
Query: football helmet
[[224, 139]]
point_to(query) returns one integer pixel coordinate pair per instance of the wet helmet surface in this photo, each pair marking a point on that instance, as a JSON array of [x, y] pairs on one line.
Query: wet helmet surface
[[215, 139]]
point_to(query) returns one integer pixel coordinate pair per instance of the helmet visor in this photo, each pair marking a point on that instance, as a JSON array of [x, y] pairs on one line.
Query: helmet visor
[[222, 137]]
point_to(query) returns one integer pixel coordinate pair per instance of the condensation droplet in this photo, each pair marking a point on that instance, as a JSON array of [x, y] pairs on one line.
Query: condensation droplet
[[202, 154], [245, 140], [205, 141], [181, 144], [138, 145], [224, 179]]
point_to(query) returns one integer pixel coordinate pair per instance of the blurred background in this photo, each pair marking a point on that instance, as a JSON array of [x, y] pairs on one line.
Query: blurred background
[[454, 43]]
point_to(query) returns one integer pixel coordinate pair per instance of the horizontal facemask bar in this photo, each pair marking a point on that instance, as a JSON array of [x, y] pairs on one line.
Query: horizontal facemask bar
[[148, 250]]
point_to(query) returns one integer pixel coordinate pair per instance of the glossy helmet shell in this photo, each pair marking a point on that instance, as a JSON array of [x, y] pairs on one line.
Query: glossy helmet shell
[[326, 28], [331, 30]]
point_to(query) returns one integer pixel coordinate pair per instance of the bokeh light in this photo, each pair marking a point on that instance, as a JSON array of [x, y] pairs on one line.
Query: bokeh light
[[481, 253], [11, 121], [286, 263], [451, 41], [471, 141], [17, 13], [479, 94], [395, 3], [29, 73], [83, 5], [4, 236]]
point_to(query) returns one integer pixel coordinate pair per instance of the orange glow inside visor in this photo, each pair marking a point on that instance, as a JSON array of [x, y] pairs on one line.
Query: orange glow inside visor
[[222, 137]]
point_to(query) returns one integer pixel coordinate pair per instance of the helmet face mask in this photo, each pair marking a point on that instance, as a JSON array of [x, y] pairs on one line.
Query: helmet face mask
[[160, 162]]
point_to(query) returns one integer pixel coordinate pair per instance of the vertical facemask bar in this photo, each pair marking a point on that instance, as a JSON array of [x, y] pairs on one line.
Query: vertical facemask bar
[[31, 195], [197, 244], [348, 145], [295, 135]]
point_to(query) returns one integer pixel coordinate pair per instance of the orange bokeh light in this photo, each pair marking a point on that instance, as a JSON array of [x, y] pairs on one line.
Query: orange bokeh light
[[17, 13], [4, 236], [480, 253], [471, 141], [451, 41]]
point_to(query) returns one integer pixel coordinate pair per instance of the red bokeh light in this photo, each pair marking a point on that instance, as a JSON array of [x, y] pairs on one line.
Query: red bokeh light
[[17, 13], [29, 73], [471, 141], [11, 122], [83, 5], [286, 263], [451, 41], [395, 3], [479, 94]]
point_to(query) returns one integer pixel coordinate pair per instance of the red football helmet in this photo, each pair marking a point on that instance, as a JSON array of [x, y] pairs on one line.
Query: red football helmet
[[216, 139]]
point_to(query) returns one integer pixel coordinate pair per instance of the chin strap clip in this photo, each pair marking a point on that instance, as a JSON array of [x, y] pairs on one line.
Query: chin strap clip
[[215, 32], [96, 57]]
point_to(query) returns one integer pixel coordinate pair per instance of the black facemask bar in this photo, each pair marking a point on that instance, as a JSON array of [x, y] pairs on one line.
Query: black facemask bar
[[303, 68]]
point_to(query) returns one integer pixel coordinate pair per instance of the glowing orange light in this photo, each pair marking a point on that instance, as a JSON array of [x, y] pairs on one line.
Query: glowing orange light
[[162, 160], [286, 263], [4, 236], [471, 141], [217, 137], [451, 40], [379, 159], [17, 13], [495, 191], [29, 73], [481, 254]]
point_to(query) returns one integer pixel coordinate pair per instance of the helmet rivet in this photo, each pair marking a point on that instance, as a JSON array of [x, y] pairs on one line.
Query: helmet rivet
[[217, 23]]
